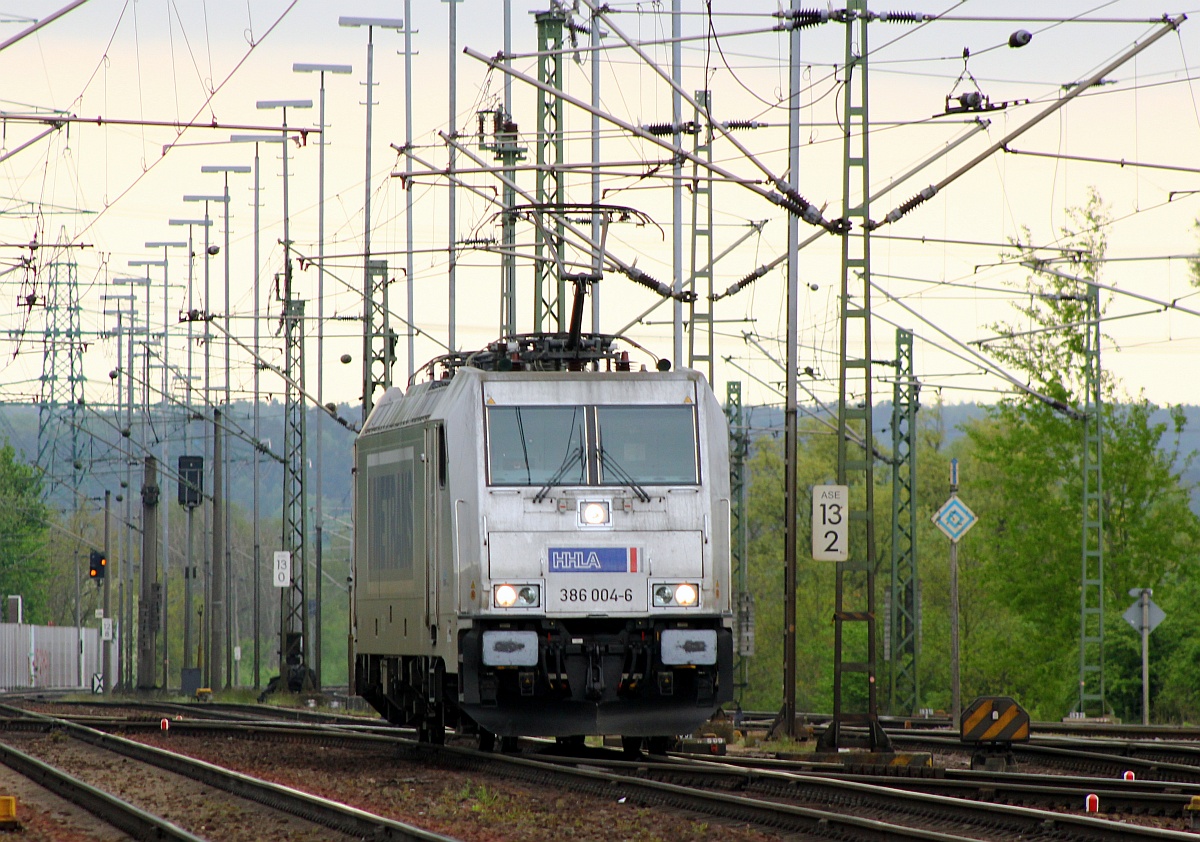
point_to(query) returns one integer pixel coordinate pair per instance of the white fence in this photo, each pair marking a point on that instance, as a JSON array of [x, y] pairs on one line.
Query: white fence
[[53, 657]]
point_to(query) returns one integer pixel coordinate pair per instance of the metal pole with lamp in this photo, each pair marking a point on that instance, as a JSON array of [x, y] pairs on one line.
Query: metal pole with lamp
[[189, 573], [147, 650], [124, 333], [318, 514], [226, 563], [210, 516], [165, 449], [257, 139], [368, 285], [294, 621]]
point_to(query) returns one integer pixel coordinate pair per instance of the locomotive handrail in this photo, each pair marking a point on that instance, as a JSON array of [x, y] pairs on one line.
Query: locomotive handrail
[[457, 537]]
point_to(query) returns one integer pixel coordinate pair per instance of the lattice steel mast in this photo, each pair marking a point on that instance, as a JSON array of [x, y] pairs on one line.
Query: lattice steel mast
[[739, 538], [294, 641], [700, 318], [59, 408], [549, 290], [903, 606], [854, 398], [1091, 591]]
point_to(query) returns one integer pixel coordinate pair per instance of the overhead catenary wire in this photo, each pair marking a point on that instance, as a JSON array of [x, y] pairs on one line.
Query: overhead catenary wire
[[1169, 25], [628, 269], [792, 202], [984, 362]]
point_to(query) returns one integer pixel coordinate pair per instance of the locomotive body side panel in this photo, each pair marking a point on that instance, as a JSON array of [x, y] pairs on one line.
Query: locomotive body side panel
[[404, 587]]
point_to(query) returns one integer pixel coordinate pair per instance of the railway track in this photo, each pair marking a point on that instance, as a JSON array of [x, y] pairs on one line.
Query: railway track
[[1132, 797], [349, 822], [1152, 761], [813, 805], [105, 806]]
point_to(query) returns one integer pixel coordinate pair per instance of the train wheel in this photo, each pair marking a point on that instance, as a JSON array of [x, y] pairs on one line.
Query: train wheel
[[631, 747], [573, 743], [433, 726], [487, 740], [659, 745], [509, 745]]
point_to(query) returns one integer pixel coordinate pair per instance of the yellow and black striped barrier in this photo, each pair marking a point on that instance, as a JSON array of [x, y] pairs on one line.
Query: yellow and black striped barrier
[[994, 719]]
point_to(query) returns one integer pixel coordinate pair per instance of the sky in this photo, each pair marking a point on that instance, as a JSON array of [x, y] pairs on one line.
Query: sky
[[100, 192]]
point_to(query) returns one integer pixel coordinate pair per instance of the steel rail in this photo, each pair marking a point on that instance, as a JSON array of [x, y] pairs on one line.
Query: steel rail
[[753, 775], [1029, 823], [1162, 798], [1078, 757], [781, 779], [331, 814], [109, 808], [921, 807]]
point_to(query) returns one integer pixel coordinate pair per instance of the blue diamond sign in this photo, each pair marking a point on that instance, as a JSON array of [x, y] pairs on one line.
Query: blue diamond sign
[[954, 518]]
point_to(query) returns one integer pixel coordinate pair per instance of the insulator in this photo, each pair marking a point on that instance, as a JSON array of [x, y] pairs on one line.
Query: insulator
[[742, 284], [900, 17], [924, 195], [810, 213], [807, 17], [735, 125], [660, 129], [638, 276]]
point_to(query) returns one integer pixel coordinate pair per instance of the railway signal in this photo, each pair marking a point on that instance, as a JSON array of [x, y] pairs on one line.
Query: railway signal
[[97, 565]]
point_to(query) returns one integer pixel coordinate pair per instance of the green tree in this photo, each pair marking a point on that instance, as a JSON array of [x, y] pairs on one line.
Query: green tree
[[1027, 456], [24, 521], [815, 580]]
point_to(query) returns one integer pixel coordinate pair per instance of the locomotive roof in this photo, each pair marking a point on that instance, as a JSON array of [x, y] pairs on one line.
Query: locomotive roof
[[542, 355], [396, 408]]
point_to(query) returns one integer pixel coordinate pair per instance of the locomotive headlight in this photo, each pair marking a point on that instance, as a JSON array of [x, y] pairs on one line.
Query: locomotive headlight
[[517, 596], [682, 595], [686, 594], [594, 513]]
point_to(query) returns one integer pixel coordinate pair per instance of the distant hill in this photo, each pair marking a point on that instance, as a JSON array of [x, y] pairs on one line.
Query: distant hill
[[770, 418], [102, 467]]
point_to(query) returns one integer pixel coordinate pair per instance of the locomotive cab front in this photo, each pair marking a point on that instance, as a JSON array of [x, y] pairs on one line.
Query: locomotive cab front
[[606, 551]]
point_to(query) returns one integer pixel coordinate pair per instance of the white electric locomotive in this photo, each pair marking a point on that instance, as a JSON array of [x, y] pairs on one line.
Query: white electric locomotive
[[542, 546]]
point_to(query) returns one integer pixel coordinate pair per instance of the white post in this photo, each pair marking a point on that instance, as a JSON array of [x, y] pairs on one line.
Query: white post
[[955, 686], [597, 258], [1145, 656], [677, 182], [408, 195]]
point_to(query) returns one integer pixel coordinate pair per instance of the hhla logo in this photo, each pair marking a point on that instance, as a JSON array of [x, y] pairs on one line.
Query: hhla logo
[[593, 559], [574, 560]]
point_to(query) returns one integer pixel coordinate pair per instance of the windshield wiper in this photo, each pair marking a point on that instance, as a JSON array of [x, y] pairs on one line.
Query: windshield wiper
[[572, 459], [610, 461]]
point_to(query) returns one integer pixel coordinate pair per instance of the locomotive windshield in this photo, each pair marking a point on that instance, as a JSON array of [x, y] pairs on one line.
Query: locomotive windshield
[[535, 445], [650, 444], [597, 445]]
